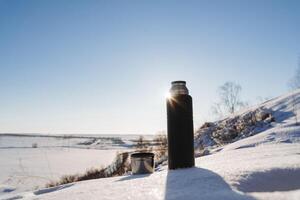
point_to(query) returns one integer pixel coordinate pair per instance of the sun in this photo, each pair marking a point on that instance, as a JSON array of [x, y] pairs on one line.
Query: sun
[[168, 95]]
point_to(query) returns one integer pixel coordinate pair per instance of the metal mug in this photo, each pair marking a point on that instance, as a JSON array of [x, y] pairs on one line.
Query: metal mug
[[142, 163]]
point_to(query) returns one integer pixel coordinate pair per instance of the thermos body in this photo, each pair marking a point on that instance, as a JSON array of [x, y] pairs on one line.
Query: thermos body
[[180, 130]]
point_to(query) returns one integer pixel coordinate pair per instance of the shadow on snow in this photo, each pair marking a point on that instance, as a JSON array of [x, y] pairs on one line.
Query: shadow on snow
[[198, 183]]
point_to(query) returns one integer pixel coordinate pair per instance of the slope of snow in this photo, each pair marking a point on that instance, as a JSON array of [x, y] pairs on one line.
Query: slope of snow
[[263, 166]]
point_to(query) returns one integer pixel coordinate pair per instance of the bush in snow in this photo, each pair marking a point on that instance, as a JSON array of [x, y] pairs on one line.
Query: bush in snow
[[34, 145], [231, 129], [119, 167], [141, 144], [160, 150]]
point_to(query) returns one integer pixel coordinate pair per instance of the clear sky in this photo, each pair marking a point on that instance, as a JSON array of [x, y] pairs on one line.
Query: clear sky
[[105, 66]]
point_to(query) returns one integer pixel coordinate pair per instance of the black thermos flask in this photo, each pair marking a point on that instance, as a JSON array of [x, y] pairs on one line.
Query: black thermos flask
[[180, 127]]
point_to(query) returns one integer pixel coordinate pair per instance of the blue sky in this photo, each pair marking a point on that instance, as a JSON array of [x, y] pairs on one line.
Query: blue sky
[[105, 66]]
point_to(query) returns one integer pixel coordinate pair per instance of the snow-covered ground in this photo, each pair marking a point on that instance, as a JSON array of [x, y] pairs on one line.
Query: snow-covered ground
[[263, 166], [28, 169], [269, 171], [24, 168]]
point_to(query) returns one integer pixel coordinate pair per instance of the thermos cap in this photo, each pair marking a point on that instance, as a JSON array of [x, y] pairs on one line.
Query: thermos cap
[[178, 87]]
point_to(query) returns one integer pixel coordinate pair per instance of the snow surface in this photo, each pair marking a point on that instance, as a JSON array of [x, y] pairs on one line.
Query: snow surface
[[30, 168], [247, 173], [263, 166], [23, 168]]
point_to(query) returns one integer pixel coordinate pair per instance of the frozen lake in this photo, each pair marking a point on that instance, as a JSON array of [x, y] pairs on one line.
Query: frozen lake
[[28, 162]]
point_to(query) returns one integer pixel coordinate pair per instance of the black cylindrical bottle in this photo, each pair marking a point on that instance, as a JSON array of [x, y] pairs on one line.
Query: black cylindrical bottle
[[180, 127]]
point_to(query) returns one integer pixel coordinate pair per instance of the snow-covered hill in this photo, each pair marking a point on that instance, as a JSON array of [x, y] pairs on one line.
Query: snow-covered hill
[[277, 115], [263, 162]]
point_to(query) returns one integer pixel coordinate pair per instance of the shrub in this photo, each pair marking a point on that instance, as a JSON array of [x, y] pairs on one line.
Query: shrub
[[161, 147], [119, 167], [34, 145], [141, 143]]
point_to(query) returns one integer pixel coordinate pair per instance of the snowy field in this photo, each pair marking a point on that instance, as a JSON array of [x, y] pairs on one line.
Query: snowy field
[[267, 172], [250, 169], [264, 166], [28, 162]]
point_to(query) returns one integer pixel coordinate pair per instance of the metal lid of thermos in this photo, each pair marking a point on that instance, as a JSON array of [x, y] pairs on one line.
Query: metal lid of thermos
[[179, 87]]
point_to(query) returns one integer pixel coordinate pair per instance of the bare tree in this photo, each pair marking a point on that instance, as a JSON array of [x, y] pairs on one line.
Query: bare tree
[[295, 81], [295, 108], [162, 142], [141, 143], [229, 101], [295, 84]]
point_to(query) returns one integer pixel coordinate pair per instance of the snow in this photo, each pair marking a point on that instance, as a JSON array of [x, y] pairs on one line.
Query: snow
[[23, 168], [263, 166], [34, 168], [247, 173]]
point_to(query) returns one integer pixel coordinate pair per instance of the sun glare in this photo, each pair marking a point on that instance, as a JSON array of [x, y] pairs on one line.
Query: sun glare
[[168, 95]]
